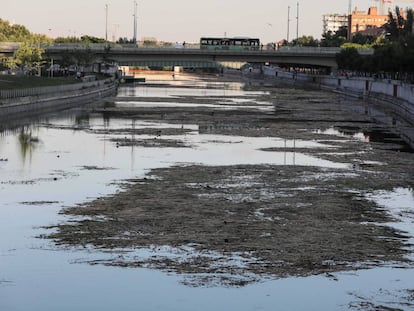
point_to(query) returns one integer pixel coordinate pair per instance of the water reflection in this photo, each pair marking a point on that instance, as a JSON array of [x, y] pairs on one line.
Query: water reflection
[[376, 135], [28, 143], [82, 120]]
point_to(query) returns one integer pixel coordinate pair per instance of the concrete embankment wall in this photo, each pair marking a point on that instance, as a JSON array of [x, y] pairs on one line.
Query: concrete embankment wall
[[397, 94], [24, 102], [395, 97]]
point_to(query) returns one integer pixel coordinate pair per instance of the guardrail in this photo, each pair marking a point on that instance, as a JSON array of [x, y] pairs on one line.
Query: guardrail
[[11, 46], [37, 91]]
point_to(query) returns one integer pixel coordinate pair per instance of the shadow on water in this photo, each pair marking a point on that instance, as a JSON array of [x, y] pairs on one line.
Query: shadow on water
[[376, 135]]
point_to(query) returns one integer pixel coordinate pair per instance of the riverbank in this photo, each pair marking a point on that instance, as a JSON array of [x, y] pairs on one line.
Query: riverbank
[[394, 100], [18, 103]]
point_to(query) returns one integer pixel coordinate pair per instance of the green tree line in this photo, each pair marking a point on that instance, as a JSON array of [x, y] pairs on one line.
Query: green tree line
[[19, 33], [30, 55], [393, 57]]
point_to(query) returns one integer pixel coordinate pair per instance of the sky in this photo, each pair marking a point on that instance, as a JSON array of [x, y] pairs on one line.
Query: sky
[[178, 20]]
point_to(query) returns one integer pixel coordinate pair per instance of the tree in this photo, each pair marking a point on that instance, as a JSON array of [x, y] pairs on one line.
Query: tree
[[334, 39], [83, 58], [9, 62], [398, 25], [362, 39], [305, 41], [82, 40], [90, 39], [125, 40], [19, 33], [393, 56], [408, 27], [349, 59], [29, 56], [67, 40]]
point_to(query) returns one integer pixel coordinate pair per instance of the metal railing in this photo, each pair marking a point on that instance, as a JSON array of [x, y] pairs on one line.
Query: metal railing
[[11, 46], [37, 91]]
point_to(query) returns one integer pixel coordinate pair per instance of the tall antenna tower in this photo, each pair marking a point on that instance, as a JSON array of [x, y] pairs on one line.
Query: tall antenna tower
[[350, 7]]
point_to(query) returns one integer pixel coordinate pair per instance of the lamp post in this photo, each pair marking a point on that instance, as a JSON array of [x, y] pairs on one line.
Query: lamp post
[[297, 22], [288, 25], [135, 22], [106, 22], [349, 20]]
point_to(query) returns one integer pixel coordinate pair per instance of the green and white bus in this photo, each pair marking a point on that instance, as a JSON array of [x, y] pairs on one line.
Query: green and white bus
[[237, 43]]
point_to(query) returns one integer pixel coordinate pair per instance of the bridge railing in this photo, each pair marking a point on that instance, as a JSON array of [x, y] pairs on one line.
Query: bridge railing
[[102, 47], [38, 91]]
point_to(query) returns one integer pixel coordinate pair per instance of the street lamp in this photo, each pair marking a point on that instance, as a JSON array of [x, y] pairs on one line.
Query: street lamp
[[297, 23], [106, 22], [135, 22], [288, 25]]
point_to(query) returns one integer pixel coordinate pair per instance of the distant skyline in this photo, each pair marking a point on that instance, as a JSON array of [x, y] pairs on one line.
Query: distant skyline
[[179, 20]]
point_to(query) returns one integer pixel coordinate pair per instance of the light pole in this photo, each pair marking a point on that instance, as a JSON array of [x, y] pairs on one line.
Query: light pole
[[288, 25], [297, 22], [106, 22], [349, 19], [135, 23]]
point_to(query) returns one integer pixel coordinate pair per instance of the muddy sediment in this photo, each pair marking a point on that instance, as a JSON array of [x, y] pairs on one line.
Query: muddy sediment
[[237, 224]]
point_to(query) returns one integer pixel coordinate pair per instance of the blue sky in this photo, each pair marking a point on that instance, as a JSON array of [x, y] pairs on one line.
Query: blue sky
[[178, 20]]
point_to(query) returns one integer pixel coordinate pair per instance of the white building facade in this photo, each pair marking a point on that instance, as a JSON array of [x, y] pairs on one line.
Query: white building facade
[[332, 22]]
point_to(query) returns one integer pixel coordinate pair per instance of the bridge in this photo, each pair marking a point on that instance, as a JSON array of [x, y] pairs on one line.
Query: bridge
[[313, 57]]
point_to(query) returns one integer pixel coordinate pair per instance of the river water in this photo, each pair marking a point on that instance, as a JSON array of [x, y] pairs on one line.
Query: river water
[[61, 161]]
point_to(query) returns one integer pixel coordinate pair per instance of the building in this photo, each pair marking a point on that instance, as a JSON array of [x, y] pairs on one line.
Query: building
[[332, 22], [370, 23]]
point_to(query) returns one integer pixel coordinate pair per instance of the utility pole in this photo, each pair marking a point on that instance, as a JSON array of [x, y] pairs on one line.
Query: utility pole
[[288, 25], [106, 22], [349, 28], [135, 23], [297, 22]]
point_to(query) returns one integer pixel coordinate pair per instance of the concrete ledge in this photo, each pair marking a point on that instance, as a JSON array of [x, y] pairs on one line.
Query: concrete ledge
[[395, 97], [54, 101]]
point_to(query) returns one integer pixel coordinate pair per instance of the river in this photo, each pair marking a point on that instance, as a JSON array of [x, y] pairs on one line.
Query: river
[[69, 158]]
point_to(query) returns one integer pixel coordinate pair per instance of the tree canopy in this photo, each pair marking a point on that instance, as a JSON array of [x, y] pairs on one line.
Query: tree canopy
[[334, 39], [394, 55], [305, 41], [29, 55], [19, 33], [82, 40], [399, 25]]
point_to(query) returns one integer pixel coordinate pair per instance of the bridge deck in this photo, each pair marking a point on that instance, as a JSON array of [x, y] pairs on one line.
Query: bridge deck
[[132, 55]]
